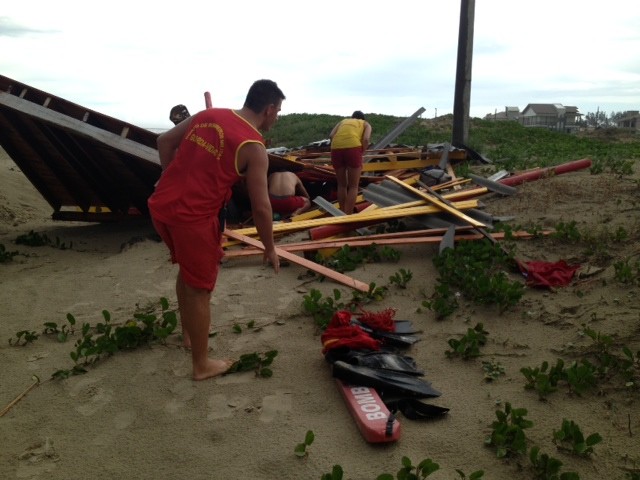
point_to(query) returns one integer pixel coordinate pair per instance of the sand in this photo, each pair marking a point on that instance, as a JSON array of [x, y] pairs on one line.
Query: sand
[[139, 415]]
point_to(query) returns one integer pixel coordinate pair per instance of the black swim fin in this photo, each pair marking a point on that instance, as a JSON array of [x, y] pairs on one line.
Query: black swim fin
[[388, 338], [375, 359], [414, 409], [384, 381], [405, 327]]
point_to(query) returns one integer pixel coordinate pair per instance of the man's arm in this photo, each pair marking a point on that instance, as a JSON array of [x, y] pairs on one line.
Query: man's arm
[[300, 188], [169, 141], [254, 157], [335, 129], [366, 136]]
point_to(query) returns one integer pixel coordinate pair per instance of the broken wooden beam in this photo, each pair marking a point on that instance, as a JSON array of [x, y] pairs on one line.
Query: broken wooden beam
[[447, 207], [292, 257], [366, 242]]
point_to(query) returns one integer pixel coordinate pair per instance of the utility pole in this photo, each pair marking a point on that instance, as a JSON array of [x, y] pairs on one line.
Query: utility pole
[[462, 96]]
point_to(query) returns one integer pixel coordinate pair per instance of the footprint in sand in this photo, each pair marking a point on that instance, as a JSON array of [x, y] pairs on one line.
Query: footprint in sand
[[182, 368], [183, 392], [149, 364], [90, 396], [38, 460], [275, 405], [122, 421], [221, 407]]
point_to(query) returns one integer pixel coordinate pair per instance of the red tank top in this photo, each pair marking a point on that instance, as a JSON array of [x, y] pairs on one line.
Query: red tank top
[[197, 183]]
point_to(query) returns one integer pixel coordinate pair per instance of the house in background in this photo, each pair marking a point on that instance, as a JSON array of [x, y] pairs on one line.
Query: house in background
[[630, 120], [553, 116], [510, 113]]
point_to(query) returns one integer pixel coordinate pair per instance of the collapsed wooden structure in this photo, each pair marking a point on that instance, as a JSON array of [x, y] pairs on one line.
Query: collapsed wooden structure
[[87, 166], [95, 168]]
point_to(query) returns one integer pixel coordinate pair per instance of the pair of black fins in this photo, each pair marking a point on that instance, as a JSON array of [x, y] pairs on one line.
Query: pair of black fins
[[395, 377]]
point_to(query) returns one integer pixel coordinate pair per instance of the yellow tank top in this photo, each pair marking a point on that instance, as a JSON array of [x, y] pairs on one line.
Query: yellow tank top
[[348, 134]]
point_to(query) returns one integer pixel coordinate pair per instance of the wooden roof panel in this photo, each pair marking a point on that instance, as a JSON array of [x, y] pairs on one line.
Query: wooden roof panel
[[87, 166]]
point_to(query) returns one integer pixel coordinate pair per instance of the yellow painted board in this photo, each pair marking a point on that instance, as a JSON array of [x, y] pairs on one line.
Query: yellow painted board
[[377, 215]]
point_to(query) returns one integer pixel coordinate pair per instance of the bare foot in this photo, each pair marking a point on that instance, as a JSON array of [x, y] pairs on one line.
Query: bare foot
[[212, 368]]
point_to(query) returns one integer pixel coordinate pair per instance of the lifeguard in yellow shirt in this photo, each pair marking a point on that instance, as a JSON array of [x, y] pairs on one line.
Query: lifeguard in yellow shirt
[[349, 140]]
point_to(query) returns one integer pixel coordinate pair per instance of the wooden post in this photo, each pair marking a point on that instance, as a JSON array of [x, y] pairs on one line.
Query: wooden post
[[462, 96]]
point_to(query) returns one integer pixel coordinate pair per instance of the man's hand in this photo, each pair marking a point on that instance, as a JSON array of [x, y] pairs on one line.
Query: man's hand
[[270, 256]]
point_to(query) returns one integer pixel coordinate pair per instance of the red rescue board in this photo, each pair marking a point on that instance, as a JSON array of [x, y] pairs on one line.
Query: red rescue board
[[374, 420]]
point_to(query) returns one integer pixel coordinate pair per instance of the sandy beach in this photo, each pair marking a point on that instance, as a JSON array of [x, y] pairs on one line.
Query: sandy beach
[[139, 415]]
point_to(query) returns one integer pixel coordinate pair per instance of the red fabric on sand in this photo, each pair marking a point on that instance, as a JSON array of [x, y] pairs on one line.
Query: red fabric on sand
[[339, 333], [548, 274]]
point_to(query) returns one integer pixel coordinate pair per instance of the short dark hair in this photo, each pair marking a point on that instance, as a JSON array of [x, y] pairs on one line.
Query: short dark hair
[[178, 113], [358, 114], [262, 94]]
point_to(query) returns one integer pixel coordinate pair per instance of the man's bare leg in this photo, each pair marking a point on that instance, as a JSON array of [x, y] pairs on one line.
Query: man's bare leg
[[353, 185], [341, 190], [186, 338], [195, 313]]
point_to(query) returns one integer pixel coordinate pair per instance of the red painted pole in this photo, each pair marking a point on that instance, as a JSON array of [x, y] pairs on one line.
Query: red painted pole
[[546, 172]]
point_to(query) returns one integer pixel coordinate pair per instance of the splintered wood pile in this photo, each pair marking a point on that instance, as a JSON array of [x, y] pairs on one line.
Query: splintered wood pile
[[445, 212]]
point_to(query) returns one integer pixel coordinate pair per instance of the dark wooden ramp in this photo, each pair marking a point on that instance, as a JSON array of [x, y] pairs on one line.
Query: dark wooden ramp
[[87, 165]]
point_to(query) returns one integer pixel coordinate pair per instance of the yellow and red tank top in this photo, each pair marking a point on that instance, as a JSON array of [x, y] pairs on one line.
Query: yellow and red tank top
[[197, 183], [348, 134]]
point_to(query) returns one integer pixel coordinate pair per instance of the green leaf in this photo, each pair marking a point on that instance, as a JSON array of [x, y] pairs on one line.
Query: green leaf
[[427, 467], [579, 447], [569, 476], [300, 450], [309, 437], [593, 439], [337, 473], [62, 374], [164, 303]]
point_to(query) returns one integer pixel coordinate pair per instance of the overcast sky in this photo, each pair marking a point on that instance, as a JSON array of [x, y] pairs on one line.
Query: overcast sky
[[135, 59]]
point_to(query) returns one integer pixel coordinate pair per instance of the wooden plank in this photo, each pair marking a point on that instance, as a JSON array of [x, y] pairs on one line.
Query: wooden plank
[[365, 242], [320, 269], [452, 174], [78, 127], [441, 205], [379, 215], [448, 203]]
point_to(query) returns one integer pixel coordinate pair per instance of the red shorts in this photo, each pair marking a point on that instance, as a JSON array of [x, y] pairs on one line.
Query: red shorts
[[196, 248], [346, 157], [286, 204]]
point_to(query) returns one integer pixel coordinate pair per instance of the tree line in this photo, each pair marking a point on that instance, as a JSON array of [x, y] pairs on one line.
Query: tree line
[[600, 119]]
